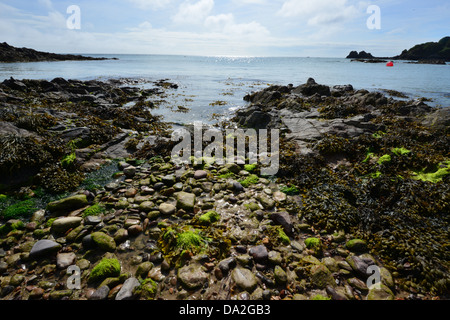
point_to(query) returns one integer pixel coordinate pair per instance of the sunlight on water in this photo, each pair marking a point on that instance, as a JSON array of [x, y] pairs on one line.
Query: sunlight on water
[[217, 84]]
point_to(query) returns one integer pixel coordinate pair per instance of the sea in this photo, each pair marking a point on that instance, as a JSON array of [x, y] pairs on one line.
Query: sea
[[211, 88]]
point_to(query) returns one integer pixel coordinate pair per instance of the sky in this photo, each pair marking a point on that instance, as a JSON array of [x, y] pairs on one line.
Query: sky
[[297, 28]]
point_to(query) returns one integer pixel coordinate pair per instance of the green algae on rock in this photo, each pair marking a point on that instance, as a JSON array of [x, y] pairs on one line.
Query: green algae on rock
[[106, 268]]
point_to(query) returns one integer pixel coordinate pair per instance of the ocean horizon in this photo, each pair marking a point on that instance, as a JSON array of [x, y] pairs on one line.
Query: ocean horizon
[[213, 87]]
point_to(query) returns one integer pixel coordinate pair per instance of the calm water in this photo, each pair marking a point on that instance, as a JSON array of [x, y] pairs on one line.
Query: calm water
[[216, 85]]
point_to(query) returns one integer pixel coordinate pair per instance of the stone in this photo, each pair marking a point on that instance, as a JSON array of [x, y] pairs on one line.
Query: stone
[[103, 241], [92, 220], [146, 206], [380, 292], [59, 294], [100, 294], [126, 292], [169, 180], [135, 230], [106, 268], [321, 276], [275, 257], [280, 275], [129, 171], [200, 174], [331, 264], [358, 284], [283, 219], [244, 279], [266, 201], [279, 196], [16, 280], [143, 269], [62, 225], [356, 245], [186, 201], [192, 276], [358, 265], [68, 204], [259, 254], [65, 259], [167, 209], [227, 264], [386, 278], [43, 248]]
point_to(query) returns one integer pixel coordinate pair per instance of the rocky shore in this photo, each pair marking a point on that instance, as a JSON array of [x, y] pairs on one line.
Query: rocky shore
[[425, 53], [363, 182], [12, 54]]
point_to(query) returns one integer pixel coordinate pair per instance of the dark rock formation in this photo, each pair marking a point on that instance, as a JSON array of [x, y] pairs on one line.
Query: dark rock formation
[[12, 54], [361, 55]]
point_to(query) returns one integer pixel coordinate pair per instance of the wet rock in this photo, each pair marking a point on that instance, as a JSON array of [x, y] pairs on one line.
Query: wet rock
[[68, 204], [63, 260], [126, 292], [167, 209], [103, 241], [146, 206], [380, 292], [62, 225], [321, 276], [259, 254], [226, 265], [244, 279], [359, 265], [129, 171], [200, 174], [280, 275], [192, 276], [186, 201], [356, 245], [283, 219], [100, 294], [311, 87], [43, 248]]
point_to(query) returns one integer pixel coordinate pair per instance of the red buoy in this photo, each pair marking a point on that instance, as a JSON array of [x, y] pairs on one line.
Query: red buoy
[[390, 64]]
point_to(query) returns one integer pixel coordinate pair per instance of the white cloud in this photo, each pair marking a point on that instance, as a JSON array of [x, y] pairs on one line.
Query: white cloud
[[225, 23], [151, 4], [319, 12], [193, 13]]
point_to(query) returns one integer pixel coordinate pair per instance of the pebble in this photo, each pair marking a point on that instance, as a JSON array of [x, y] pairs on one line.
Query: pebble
[[126, 291], [259, 254], [200, 174], [244, 279]]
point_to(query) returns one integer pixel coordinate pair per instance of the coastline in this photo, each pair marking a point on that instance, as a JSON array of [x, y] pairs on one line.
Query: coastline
[[352, 177]]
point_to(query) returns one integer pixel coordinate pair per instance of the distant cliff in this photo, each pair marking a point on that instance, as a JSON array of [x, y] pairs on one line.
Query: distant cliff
[[430, 52], [12, 54]]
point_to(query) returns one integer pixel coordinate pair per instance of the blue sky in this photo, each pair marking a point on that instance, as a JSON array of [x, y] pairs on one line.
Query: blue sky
[[322, 28]]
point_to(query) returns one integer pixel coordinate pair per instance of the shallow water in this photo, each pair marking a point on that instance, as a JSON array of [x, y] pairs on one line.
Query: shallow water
[[209, 85]]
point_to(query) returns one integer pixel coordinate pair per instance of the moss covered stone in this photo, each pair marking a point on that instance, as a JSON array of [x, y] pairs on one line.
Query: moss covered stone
[[106, 268], [314, 244], [209, 218], [68, 204], [356, 245], [189, 240], [250, 180], [147, 289], [103, 241]]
